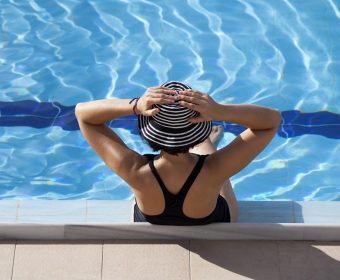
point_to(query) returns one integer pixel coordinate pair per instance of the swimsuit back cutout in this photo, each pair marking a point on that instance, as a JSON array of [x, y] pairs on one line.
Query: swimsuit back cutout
[[173, 211]]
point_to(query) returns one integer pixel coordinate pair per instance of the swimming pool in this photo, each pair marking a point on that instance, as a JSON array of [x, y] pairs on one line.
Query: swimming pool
[[54, 54]]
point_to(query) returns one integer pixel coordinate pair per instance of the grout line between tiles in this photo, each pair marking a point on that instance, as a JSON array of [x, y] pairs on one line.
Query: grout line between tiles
[[293, 212], [190, 259], [15, 246], [101, 271]]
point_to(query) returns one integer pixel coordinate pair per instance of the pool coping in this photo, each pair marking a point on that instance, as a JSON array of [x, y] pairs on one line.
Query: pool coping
[[112, 219], [142, 231]]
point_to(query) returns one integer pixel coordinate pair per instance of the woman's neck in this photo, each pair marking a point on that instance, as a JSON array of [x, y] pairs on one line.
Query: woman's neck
[[180, 157]]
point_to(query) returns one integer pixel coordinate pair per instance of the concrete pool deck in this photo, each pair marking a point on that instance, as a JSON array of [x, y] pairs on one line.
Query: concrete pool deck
[[96, 240]]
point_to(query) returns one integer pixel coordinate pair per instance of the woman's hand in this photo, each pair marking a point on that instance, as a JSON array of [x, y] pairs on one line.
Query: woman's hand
[[200, 102], [155, 95]]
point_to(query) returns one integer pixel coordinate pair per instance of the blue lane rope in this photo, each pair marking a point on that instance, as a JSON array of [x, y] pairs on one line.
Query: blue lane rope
[[45, 114]]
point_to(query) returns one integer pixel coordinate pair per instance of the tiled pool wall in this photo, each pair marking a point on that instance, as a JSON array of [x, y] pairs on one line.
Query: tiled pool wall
[[120, 211], [90, 219]]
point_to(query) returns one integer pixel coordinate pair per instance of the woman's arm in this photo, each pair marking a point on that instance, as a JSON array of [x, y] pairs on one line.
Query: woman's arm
[[249, 115], [104, 141], [100, 111], [92, 117], [252, 116], [262, 123]]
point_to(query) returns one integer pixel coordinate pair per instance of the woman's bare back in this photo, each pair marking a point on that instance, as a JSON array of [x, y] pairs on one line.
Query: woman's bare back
[[200, 200]]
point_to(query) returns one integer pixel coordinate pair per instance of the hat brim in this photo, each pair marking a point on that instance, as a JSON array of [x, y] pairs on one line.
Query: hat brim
[[191, 135]]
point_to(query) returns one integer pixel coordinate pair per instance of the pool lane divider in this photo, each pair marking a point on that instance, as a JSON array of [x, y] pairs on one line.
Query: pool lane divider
[[35, 114]]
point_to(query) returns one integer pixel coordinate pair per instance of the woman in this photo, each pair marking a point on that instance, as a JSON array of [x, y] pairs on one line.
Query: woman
[[187, 183]]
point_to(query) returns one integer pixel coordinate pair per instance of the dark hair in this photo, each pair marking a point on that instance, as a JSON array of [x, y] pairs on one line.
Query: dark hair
[[173, 151]]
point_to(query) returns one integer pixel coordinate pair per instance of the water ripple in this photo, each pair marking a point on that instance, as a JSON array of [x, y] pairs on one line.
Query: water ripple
[[231, 59], [277, 61], [155, 60], [54, 54], [335, 9]]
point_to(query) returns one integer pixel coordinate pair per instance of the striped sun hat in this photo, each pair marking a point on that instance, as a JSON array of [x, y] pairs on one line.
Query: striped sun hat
[[170, 127]]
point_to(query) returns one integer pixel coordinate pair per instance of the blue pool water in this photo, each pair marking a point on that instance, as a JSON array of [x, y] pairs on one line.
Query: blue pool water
[[53, 54]]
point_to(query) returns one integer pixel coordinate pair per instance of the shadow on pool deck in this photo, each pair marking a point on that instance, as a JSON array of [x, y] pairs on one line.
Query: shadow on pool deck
[[164, 259], [265, 259], [272, 259]]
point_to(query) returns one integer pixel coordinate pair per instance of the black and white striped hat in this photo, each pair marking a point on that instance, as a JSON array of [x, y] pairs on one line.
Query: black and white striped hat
[[170, 127]]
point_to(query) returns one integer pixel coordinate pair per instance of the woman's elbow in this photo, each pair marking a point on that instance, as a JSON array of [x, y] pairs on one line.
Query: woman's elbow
[[77, 110], [276, 118]]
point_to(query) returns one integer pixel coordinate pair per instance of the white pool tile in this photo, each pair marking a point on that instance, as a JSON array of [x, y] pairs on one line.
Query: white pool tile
[[52, 219], [318, 220], [51, 211], [114, 211], [265, 212], [317, 212], [8, 211]]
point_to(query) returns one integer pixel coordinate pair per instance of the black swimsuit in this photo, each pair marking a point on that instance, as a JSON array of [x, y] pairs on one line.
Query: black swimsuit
[[173, 212]]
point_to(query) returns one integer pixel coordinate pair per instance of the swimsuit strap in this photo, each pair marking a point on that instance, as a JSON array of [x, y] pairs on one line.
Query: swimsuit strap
[[186, 186], [159, 180], [192, 177]]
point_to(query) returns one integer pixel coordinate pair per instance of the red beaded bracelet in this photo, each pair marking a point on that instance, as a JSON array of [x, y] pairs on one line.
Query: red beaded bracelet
[[134, 106]]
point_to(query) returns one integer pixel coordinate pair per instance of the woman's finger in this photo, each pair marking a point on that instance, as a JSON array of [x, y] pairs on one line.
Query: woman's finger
[[163, 88], [162, 95], [161, 101], [189, 105], [155, 98], [164, 91], [151, 112], [194, 93], [191, 99]]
